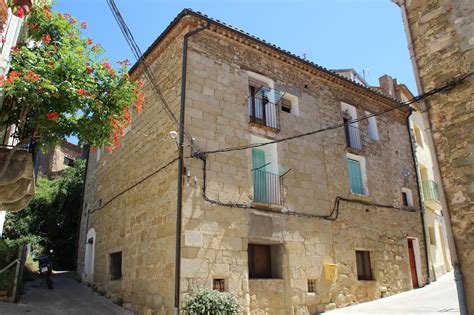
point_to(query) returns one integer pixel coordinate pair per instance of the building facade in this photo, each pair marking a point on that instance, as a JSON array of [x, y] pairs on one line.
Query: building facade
[[293, 227], [52, 162], [441, 45], [434, 201]]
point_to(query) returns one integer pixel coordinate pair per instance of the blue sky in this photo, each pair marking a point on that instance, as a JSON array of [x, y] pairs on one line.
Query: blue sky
[[361, 34]]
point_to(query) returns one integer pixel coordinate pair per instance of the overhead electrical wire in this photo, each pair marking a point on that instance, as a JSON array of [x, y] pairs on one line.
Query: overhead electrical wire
[[415, 99], [146, 68]]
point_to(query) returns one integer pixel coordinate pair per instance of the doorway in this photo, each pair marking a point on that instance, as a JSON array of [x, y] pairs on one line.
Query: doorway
[[89, 256], [413, 265]]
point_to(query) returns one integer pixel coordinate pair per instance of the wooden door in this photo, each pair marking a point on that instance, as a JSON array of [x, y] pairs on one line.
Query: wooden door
[[411, 254]]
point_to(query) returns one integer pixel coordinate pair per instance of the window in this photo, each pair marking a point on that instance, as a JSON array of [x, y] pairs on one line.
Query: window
[[355, 177], [286, 105], [407, 197], [431, 232], [265, 173], [364, 269], [352, 132], [418, 137], [68, 161], [311, 285], [372, 127], [218, 285], [116, 266], [264, 261]]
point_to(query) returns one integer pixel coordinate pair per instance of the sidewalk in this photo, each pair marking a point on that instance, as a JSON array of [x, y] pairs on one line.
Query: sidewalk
[[437, 298]]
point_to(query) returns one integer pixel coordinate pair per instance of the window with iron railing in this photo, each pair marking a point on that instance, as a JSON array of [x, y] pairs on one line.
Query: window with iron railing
[[266, 184], [263, 108]]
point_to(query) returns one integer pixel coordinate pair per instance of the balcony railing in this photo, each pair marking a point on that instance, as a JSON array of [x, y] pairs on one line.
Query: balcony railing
[[353, 137], [431, 191], [266, 187], [264, 112]]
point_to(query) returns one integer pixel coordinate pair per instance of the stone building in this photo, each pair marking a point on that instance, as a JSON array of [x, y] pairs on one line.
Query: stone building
[[440, 40], [294, 227], [434, 200], [57, 159]]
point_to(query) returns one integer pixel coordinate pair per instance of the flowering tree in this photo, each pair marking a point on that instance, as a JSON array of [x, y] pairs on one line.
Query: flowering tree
[[59, 85]]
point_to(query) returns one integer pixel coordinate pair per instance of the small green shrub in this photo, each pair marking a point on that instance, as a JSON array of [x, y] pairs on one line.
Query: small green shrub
[[210, 302]]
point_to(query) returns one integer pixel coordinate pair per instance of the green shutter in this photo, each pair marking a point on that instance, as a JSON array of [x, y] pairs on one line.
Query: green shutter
[[355, 177], [259, 175]]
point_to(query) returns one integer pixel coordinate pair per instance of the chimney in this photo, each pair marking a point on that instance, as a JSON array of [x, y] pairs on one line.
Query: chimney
[[389, 86]]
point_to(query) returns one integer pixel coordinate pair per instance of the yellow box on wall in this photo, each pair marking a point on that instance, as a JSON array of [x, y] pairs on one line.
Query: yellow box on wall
[[330, 272]]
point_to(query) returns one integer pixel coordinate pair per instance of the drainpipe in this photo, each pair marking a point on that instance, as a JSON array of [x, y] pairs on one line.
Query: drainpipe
[[420, 201], [85, 155], [179, 199], [458, 276]]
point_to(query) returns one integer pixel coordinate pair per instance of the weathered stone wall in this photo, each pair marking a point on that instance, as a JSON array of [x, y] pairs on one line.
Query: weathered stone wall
[[443, 45], [51, 163], [216, 238], [139, 221]]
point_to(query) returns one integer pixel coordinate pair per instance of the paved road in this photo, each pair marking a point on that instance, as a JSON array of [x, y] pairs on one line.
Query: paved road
[[67, 298], [437, 298]]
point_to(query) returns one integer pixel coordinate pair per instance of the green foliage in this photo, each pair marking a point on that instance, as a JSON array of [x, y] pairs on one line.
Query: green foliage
[[60, 85], [8, 253], [51, 219], [210, 302]]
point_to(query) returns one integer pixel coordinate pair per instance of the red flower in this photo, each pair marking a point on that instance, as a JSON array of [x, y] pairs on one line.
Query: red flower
[[89, 69], [47, 8], [89, 41], [48, 15], [124, 62], [53, 115], [84, 25], [20, 12], [4, 40], [46, 39], [106, 65], [2, 80], [140, 83], [14, 74], [112, 72], [139, 102], [31, 76], [34, 26], [82, 92]]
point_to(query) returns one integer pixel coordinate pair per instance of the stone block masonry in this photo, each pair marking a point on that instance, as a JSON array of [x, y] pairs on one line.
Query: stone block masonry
[[264, 255], [443, 41]]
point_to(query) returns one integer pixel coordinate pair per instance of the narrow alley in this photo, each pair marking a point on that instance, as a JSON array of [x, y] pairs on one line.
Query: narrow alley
[[67, 297]]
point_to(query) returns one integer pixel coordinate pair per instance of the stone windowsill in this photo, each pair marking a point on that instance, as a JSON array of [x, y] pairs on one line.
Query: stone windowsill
[[267, 206]]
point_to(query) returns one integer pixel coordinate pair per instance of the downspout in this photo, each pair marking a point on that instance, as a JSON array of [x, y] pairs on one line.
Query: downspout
[[179, 198], [86, 151], [420, 201], [458, 276]]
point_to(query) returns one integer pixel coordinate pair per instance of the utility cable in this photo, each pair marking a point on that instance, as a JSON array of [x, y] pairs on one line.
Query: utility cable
[[149, 75], [134, 185], [434, 91]]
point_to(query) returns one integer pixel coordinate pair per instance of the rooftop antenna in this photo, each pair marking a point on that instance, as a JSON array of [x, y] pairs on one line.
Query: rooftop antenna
[[365, 73]]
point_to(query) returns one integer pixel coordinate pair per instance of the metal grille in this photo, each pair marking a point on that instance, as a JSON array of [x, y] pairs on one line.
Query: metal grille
[[312, 285], [218, 285]]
